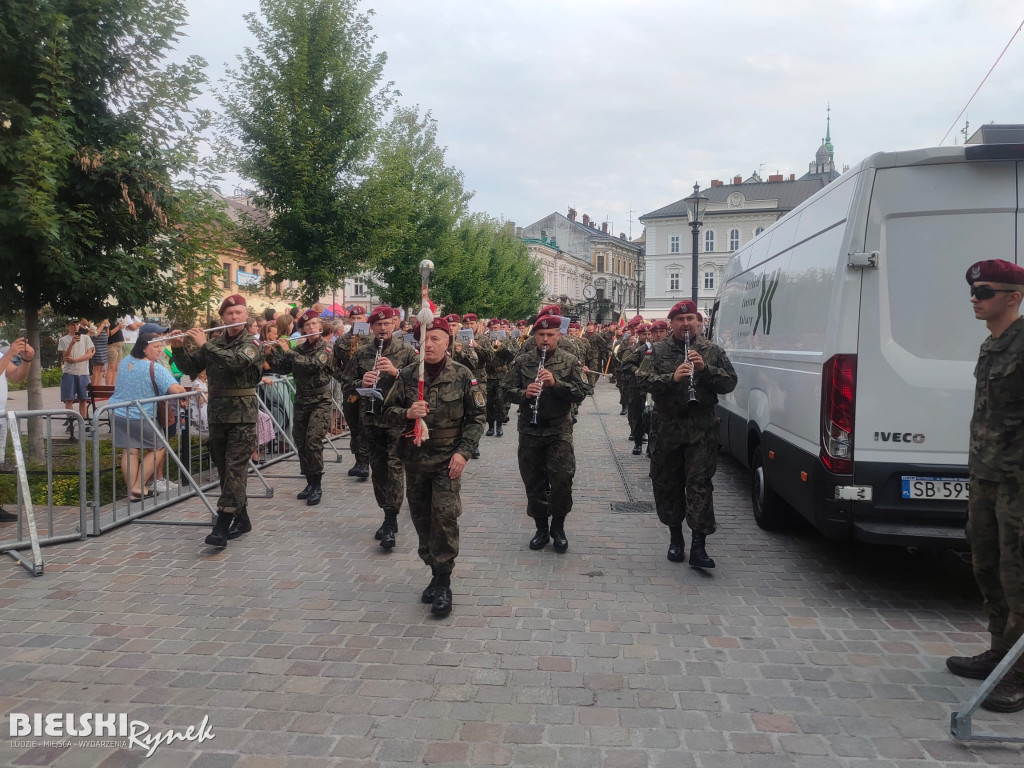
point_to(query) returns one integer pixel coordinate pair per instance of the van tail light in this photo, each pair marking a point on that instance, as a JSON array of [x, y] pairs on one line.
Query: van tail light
[[838, 398]]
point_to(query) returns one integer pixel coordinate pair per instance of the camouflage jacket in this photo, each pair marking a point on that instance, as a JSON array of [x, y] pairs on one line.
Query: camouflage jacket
[[343, 354], [234, 366], [397, 351], [311, 366], [455, 419], [500, 358], [997, 424], [670, 397], [630, 360], [465, 356], [554, 410]]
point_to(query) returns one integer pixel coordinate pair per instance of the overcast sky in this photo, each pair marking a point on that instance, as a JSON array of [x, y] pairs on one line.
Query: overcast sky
[[614, 106]]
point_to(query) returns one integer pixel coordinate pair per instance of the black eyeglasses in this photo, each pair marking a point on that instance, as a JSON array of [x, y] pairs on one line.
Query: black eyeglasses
[[984, 292]]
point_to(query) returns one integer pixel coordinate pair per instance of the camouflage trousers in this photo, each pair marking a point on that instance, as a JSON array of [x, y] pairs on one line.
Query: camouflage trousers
[[995, 529], [310, 424], [435, 506], [623, 388], [547, 465], [231, 447], [496, 408], [353, 413], [681, 473], [635, 412], [385, 469]]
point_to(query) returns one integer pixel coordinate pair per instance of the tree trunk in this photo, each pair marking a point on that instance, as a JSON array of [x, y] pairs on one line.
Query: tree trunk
[[35, 383]]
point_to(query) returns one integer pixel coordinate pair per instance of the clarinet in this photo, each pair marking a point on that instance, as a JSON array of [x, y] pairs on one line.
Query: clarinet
[[536, 400], [692, 402], [371, 408]]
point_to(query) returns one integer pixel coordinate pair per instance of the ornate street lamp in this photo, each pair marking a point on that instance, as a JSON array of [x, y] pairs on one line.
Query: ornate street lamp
[[696, 205]]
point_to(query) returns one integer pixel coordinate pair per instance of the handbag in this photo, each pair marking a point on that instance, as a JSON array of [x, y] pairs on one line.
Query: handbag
[[166, 411]]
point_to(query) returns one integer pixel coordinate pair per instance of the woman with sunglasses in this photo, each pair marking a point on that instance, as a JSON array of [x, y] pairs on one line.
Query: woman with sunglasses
[[995, 510]]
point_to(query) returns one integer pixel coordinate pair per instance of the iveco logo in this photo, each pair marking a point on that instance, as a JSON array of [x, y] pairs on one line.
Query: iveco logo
[[899, 437]]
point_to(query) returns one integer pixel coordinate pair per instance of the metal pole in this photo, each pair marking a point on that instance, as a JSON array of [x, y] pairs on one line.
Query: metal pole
[[693, 267]]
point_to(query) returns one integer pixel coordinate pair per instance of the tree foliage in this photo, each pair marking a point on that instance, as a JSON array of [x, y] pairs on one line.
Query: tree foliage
[[487, 270], [412, 201], [301, 110]]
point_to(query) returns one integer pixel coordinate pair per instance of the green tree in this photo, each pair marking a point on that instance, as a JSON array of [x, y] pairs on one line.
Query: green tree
[[487, 270], [301, 110], [412, 200], [94, 128]]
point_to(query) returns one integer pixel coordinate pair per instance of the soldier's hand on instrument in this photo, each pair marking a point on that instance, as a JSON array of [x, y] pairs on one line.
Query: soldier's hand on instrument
[[456, 465], [697, 360], [386, 366], [586, 369], [177, 343], [196, 334], [417, 410], [683, 372], [533, 389], [547, 378], [369, 378], [458, 346]]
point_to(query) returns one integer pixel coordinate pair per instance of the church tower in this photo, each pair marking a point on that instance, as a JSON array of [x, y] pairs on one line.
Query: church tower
[[824, 165]]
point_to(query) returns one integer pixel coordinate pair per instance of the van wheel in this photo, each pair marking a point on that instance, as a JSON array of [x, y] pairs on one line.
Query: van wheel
[[770, 511]]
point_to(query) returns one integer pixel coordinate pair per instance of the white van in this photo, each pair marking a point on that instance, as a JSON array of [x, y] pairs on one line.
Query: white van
[[850, 327]]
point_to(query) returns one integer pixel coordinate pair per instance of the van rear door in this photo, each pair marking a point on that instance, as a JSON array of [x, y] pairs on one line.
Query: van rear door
[[918, 339]]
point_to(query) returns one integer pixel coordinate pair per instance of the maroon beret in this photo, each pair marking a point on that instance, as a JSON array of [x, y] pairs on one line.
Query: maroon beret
[[469, 317], [437, 324], [381, 313], [574, 325], [548, 322], [493, 323], [356, 309], [235, 300], [309, 314], [684, 307], [519, 323], [994, 271], [453, 318], [659, 325], [550, 309]]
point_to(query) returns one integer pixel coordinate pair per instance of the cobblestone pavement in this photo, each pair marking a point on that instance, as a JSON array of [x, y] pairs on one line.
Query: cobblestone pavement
[[307, 646]]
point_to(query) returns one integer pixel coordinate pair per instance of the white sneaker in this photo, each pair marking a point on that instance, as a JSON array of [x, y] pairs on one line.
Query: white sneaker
[[162, 486]]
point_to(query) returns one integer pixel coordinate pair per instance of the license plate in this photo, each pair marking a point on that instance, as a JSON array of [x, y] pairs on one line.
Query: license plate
[[936, 488]]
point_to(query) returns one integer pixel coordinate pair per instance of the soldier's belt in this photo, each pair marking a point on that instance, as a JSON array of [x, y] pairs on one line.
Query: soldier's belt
[[444, 434], [233, 393]]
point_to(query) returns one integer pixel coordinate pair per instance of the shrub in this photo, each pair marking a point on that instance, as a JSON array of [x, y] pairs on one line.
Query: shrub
[[50, 377]]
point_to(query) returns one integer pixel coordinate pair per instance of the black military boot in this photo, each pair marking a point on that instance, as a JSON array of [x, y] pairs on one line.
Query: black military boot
[[490, 429], [1008, 695], [219, 535], [240, 523], [623, 413], [442, 595], [389, 530], [677, 544], [316, 494], [353, 472], [304, 493], [541, 538], [428, 593], [475, 454], [361, 469], [379, 532], [632, 437], [698, 555], [638, 447], [558, 541], [498, 430], [975, 667]]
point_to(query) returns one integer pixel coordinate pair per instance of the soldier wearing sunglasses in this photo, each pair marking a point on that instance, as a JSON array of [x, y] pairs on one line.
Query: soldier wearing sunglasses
[[995, 512]]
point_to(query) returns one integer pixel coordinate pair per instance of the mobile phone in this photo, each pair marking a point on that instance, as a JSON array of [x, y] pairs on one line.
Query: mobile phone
[[23, 334]]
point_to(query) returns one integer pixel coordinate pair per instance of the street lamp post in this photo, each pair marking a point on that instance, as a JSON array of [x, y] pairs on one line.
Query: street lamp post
[[696, 205]]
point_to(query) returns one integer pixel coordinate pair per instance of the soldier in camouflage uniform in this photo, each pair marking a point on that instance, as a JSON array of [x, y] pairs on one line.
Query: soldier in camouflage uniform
[[629, 362], [310, 363], [502, 353], [453, 409], [547, 462], [363, 372], [463, 353], [344, 348], [684, 456], [995, 511], [233, 363], [482, 346]]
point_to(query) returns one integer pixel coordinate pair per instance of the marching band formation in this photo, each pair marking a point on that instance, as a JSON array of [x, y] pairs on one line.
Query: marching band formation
[[416, 405]]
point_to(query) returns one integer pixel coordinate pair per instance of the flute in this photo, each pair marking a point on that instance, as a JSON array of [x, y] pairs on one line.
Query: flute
[[204, 330], [308, 335]]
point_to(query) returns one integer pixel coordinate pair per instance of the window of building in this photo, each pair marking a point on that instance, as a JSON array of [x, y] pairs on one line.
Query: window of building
[[734, 239], [358, 289], [227, 275], [758, 231], [673, 244], [709, 240], [709, 280], [600, 262], [673, 281]]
